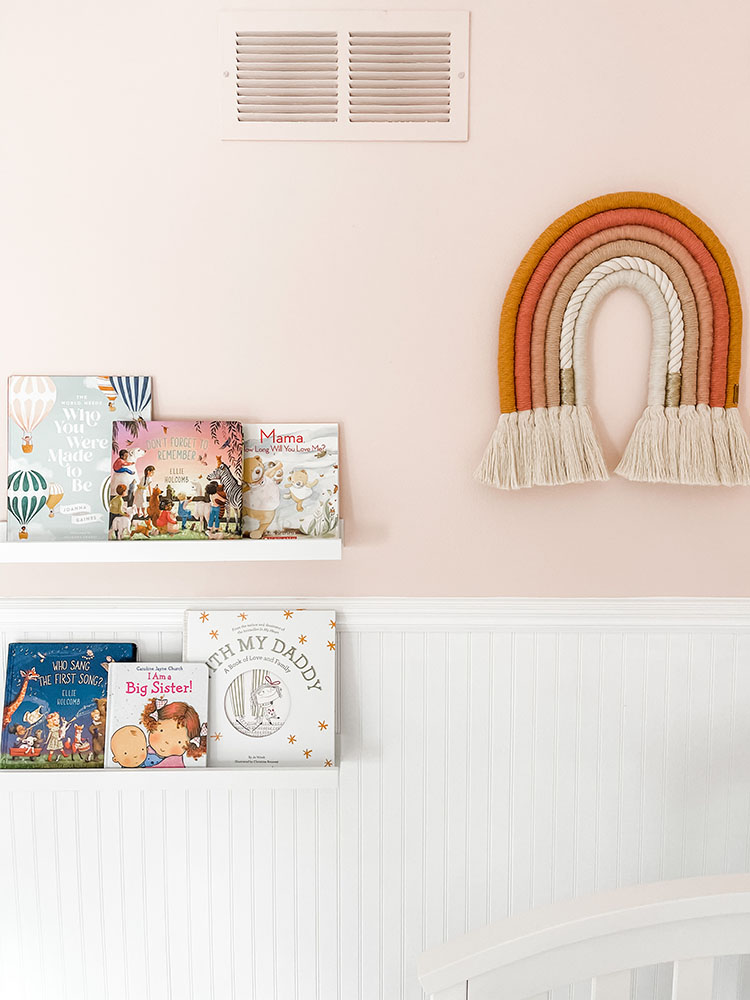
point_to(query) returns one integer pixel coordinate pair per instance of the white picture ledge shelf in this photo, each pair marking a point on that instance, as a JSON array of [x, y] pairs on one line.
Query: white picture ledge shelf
[[234, 550], [205, 779]]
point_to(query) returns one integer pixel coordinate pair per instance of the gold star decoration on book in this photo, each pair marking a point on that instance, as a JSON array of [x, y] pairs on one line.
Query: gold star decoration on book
[[204, 616], [331, 645], [332, 623], [216, 736], [288, 614], [292, 739], [302, 640], [307, 753], [328, 763], [243, 616], [214, 633], [323, 725]]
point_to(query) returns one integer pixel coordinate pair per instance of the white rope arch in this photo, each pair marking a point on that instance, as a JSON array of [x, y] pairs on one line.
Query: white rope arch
[[654, 277], [661, 332]]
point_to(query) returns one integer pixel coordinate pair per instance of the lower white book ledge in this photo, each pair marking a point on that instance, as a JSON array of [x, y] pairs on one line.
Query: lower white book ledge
[[156, 550], [206, 779]]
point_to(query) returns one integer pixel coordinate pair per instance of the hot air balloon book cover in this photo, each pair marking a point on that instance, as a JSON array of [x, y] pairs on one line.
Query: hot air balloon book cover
[[291, 474], [271, 687], [55, 707], [156, 715], [176, 480], [59, 447]]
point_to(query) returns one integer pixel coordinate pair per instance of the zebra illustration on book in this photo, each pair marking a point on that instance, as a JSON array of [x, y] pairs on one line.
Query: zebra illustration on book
[[223, 475]]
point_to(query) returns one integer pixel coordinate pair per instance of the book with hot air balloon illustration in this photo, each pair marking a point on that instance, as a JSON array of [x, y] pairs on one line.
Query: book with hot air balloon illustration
[[59, 447], [271, 686], [176, 480], [55, 710]]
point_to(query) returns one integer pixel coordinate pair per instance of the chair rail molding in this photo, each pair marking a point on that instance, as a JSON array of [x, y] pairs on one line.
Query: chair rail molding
[[658, 614]]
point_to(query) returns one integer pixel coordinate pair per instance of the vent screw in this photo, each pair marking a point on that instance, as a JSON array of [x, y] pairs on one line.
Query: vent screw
[[226, 72], [461, 75]]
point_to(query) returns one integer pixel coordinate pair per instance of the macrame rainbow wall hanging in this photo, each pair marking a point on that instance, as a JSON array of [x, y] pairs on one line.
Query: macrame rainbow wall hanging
[[690, 431]]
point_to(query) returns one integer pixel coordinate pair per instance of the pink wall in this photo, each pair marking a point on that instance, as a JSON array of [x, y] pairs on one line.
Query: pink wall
[[363, 282]]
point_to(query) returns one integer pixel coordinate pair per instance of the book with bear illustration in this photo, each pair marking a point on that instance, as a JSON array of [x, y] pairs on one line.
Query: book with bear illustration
[[59, 442], [156, 715], [176, 479], [55, 709], [271, 687], [291, 474]]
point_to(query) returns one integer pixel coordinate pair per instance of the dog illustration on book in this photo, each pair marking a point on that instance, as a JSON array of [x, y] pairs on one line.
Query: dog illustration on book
[[25, 745]]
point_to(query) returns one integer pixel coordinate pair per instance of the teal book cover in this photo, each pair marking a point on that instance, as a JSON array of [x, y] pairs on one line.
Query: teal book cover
[[59, 446]]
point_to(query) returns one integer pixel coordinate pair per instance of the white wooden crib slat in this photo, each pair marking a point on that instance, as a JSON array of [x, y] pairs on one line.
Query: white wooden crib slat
[[615, 986], [693, 979]]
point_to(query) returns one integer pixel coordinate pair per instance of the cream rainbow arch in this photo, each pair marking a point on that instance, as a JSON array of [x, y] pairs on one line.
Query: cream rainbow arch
[[690, 431]]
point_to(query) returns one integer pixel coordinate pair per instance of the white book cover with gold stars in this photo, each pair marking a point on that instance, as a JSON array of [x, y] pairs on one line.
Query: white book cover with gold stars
[[271, 688]]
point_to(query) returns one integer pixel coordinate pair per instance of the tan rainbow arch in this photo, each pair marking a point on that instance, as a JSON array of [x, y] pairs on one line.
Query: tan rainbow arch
[[690, 431]]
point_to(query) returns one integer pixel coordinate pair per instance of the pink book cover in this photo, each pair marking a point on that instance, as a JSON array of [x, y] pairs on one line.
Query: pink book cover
[[175, 480]]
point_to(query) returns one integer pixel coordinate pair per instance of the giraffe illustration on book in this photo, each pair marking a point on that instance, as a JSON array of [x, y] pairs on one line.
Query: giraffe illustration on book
[[28, 675]]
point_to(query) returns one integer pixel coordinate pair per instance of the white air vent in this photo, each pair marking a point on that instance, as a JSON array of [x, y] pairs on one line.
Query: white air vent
[[345, 75]]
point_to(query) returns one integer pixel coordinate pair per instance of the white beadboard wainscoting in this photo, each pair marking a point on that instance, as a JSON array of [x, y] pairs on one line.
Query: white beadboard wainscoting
[[494, 755]]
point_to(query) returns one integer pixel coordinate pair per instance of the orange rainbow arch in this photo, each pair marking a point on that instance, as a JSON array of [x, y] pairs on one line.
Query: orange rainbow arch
[[690, 431]]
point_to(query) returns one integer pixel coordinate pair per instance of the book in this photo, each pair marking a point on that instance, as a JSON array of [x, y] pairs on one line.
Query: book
[[271, 686], [156, 715], [176, 479], [59, 443], [55, 710], [291, 477]]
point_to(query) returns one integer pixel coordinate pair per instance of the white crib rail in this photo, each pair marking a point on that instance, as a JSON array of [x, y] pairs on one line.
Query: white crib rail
[[600, 938]]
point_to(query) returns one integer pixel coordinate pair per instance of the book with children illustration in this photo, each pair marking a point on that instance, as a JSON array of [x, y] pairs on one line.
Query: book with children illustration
[[291, 480], [176, 479], [59, 442], [55, 710], [271, 687], [156, 715]]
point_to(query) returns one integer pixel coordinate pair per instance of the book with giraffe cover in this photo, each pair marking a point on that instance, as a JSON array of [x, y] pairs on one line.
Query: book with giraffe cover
[[55, 710], [176, 480], [271, 686], [156, 715]]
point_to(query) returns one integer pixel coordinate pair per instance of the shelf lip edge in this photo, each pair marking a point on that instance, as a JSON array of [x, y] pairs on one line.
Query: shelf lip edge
[[203, 779], [234, 550]]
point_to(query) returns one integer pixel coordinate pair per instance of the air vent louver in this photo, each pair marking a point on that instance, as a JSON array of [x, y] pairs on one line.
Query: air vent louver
[[345, 75], [399, 77], [287, 77]]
